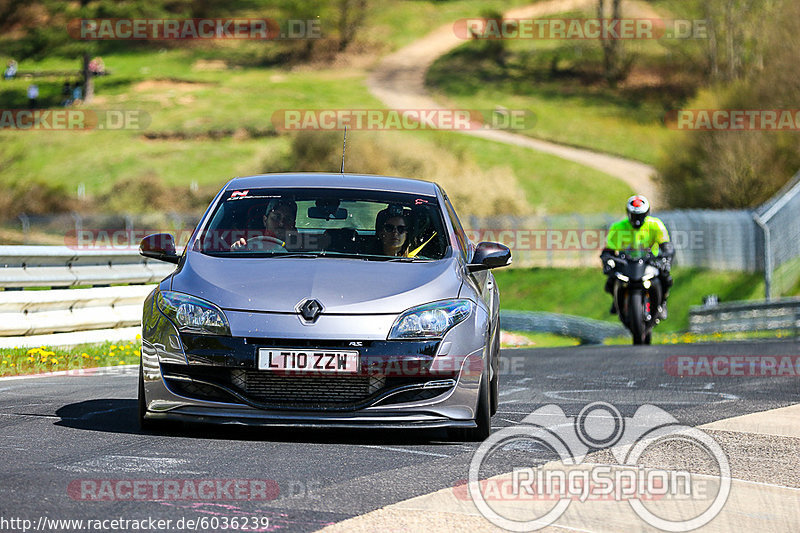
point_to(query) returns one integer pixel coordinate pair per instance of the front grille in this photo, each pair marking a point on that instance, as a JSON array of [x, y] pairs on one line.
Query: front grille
[[265, 387], [269, 390]]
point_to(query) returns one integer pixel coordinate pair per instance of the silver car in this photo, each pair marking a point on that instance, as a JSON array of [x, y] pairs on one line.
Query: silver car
[[325, 300]]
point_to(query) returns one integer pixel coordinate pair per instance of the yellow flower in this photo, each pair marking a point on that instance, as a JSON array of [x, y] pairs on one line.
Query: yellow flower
[[113, 346], [31, 360], [138, 337], [96, 358], [85, 355], [54, 361], [33, 350], [4, 362]]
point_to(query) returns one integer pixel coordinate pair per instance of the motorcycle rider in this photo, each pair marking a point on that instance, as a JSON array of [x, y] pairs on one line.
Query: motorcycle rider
[[640, 231]]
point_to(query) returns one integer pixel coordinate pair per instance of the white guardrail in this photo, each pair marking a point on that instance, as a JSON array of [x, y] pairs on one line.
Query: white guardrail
[[65, 309]]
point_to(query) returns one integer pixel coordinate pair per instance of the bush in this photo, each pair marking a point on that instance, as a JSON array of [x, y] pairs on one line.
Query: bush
[[473, 190]]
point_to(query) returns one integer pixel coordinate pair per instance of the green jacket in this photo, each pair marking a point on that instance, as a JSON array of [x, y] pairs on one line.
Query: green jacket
[[622, 236]]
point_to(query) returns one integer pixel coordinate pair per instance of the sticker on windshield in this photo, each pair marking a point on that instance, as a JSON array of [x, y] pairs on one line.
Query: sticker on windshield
[[239, 194]]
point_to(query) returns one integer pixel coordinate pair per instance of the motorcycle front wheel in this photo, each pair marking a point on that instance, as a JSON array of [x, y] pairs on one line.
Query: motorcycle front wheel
[[636, 317]]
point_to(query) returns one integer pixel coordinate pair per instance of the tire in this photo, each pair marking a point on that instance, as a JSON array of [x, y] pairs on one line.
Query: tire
[[144, 423], [636, 317], [648, 339], [483, 418], [494, 384]]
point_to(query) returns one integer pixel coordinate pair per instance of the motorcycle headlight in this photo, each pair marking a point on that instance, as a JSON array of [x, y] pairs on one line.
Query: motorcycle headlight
[[430, 321], [193, 315], [650, 272]]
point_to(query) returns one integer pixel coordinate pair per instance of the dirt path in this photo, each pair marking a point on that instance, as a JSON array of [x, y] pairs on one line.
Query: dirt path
[[399, 82]]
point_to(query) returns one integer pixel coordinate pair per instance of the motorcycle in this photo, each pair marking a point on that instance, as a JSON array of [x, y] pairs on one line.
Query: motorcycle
[[637, 291]]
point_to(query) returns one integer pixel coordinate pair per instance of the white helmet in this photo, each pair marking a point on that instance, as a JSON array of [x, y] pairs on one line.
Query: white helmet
[[638, 208]]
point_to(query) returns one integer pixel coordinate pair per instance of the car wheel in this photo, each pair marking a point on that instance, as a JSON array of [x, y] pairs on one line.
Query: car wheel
[[144, 423], [483, 418], [494, 384]]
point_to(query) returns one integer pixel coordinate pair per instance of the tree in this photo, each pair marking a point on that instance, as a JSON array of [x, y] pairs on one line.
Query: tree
[[615, 64], [351, 17]]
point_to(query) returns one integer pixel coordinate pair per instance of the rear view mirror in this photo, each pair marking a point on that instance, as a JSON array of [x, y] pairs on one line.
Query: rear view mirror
[[327, 213], [159, 246]]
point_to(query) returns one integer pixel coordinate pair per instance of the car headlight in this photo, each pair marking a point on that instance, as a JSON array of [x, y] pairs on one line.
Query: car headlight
[[431, 320], [193, 315]]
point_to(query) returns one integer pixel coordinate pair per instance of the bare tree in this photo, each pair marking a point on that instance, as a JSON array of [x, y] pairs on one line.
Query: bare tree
[[613, 61], [351, 17]]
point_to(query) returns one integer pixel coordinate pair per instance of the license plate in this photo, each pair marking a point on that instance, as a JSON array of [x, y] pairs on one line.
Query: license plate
[[312, 361]]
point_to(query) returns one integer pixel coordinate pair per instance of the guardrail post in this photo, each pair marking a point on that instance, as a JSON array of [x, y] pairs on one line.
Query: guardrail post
[[26, 227], [767, 257]]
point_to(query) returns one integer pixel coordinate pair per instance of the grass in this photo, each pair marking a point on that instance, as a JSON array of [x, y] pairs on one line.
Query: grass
[[18, 361], [579, 291], [561, 83], [187, 108]]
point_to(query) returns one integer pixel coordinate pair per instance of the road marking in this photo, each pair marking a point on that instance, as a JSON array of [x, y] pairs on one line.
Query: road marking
[[130, 464], [513, 391], [82, 372], [419, 452], [580, 395]]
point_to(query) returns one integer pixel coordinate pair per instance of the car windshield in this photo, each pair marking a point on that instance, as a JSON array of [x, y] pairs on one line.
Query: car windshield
[[325, 222]]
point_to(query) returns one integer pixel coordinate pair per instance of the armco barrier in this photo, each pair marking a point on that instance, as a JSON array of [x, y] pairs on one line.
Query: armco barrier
[[746, 316], [60, 266], [65, 310], [589, 331], [34, 312]]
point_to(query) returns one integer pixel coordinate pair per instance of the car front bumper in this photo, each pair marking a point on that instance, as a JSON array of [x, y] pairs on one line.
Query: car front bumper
[[210, 379]]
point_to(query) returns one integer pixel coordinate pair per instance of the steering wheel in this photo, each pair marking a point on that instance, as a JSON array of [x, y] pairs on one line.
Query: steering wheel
[[266, 243]]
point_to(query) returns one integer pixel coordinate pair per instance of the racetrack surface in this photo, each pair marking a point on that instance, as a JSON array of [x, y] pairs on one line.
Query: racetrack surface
[[58, 430]]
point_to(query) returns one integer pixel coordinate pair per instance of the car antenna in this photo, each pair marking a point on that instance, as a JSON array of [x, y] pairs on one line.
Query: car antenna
[[344, 147]]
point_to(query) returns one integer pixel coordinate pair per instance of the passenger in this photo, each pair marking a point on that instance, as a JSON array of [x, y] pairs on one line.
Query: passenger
[[279, 222], [391, 232]]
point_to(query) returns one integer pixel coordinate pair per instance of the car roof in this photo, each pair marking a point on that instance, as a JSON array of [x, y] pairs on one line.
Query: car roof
[[335, 181]]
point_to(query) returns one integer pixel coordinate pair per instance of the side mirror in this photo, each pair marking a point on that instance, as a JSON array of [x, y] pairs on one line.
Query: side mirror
[[489, 255], [159, 246]]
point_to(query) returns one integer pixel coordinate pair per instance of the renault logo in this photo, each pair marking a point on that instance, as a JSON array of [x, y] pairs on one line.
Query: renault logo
[[310, 310]]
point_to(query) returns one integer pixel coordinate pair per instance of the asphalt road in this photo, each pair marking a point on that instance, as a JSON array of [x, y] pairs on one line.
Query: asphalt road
[[58, 431]]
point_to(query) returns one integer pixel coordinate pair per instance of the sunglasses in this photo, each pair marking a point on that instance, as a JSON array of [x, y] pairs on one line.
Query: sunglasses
[[388, 228]]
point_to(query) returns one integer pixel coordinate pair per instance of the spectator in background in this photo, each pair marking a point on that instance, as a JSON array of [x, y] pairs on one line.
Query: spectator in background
[[77, 93], [11, 70], [33, 95], [66, 94]]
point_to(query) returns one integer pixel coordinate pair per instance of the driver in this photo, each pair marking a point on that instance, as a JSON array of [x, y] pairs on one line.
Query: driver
[[391, 231], [639, 231], [279, 221]]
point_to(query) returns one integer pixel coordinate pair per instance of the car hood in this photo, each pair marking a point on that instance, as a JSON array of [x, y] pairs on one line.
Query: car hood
[[345, 286]]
